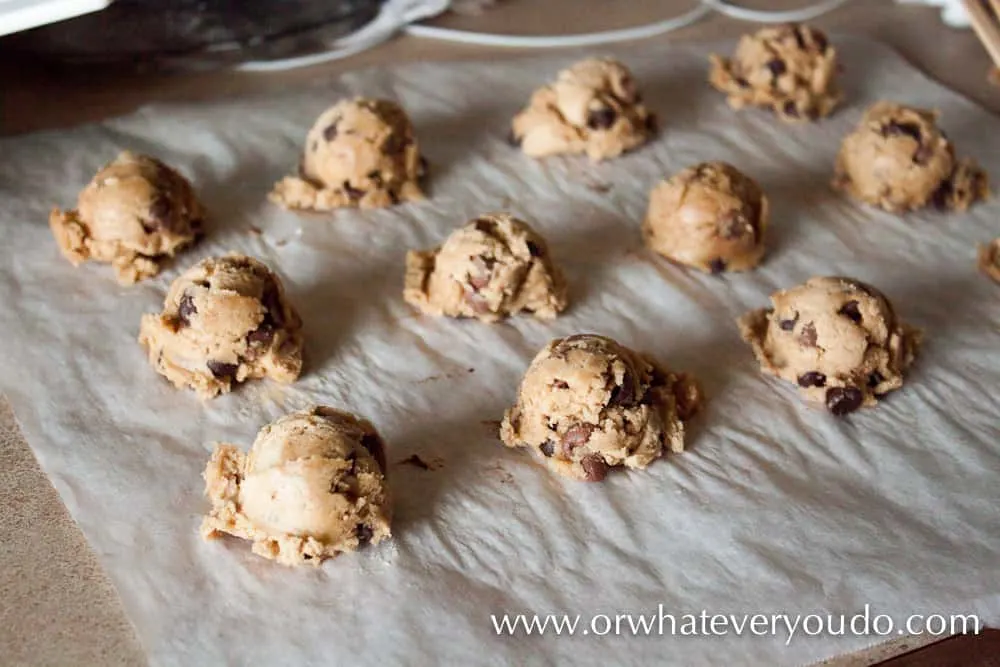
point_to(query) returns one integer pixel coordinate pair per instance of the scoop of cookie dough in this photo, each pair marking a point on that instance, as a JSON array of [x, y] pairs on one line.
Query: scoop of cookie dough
[[593, 107], [135, 214], [791, 69], [587, 404], [360, 153], [710, 216], [899, 160], [838, 339], [989, 259], [494, 266], [224, 321], [312, 487]]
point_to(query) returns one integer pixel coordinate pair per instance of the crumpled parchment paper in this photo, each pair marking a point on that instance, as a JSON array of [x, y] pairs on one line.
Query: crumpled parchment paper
[[777, 507]]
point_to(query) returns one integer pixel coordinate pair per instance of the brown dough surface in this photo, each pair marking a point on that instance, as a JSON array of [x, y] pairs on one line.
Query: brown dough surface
[[592, 107], [791, 69], [837, 339], [490, 268], [989, 259], [135, 214], [587, 404], [312, 487], [359, 153], [710, 216], [899, 160], [224, 321]]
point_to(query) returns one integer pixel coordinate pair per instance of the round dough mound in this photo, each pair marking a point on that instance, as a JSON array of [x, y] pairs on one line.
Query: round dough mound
[[899, 160], [494, 266], [225, 320], [837, 338], [134, 214], [360, 153], [989, 259], [711, 216], [312, 487], [587, 404], [790, 68], [593, 107]]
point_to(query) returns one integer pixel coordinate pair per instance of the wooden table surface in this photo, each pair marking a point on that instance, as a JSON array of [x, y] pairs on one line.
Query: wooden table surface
[[58, 607]]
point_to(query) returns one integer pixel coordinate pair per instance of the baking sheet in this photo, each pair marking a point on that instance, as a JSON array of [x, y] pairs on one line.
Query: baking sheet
[[777, 507]]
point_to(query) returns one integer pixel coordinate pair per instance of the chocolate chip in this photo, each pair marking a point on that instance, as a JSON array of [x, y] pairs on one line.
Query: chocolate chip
[[790, 109], [271, 300], [262, 335], [875, 379], [486, 226], [374, 445], [534, 250], [819, 39], [185, 309], [843, 400], [576, 436], [812, 379], [197, 227], [799, 38], [923, 155], [513, 139], [624, 394], [788, 325], [548, 448], [375, 177], [221, 370], [777, 66], [560, 384], [895, 129], [808, 335], [942, 196], [330, 132], [594, 467], [717, 265], [394, 144], [601, 119], [353, 193], [850, 311], [364, 534], [742, 83]]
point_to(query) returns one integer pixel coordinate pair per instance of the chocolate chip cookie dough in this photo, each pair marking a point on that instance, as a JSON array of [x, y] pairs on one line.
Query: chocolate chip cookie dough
[[225, 320], [837, 338], [791, 69], [135, 214], [588, 404], [312, 487], [360, 153], [989, 259], [710, 216], [593, 107], [492, 267], [899, 160]]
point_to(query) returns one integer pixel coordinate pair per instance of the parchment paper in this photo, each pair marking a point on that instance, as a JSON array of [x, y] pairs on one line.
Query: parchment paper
[[777, 507]]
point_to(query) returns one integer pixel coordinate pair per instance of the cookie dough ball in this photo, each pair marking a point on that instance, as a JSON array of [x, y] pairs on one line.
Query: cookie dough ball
[[587, 404], [593, 107], [838, 339], [791, 69], [135, 214], [360, 153], [225, 320], [711, 216], [989, 259], [494, 266], [899, 160], [312, 487]]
